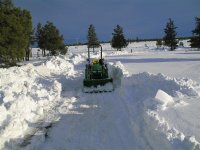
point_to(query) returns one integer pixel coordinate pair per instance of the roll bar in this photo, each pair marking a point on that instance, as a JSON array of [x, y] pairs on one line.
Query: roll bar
[[89, 53]]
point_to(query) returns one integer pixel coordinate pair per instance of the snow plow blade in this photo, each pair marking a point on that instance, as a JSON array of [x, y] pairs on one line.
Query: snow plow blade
[[98, 86]]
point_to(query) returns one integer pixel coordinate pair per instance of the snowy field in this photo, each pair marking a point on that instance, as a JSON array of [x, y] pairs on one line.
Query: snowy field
[[155, 104]]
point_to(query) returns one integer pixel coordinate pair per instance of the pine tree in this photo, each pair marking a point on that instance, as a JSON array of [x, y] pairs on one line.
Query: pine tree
[[7, 4], [26, 21], [170, 35], [40, 38], [92, 38], [15, 27], [118, 39], [38, 30], [195, 40], [159, 43], [50, 39]]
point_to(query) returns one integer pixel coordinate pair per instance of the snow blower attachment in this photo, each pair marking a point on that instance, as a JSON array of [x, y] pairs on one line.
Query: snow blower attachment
[[96, 76]]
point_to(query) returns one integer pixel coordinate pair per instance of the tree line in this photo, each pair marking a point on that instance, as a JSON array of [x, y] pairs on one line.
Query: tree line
[[15, 31], [17, 35], [118, 40]]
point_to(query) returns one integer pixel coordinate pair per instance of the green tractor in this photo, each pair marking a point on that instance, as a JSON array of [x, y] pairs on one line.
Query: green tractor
[[96, 76]]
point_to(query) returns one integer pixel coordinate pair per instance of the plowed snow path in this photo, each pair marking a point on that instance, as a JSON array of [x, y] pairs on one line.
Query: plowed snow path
[[106, 121]]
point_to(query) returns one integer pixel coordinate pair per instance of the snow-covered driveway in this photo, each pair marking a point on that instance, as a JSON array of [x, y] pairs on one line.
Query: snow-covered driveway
[[105, 121]]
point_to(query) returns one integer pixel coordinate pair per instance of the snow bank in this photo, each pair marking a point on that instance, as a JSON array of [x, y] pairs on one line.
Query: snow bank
[[58, 65], [77, 58], [116, 71], [23, 102], [170, 105], [172, 86], [27, 96], [169, 101], [178, 138]]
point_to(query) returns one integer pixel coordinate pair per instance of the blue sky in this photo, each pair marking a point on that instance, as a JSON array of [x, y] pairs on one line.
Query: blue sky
[[139, 18]]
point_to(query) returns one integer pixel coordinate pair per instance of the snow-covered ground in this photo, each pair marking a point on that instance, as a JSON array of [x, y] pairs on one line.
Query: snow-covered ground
[[155, 104]]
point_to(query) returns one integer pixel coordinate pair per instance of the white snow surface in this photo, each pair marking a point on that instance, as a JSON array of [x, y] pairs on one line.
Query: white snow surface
[[155, 103], [164, 99]]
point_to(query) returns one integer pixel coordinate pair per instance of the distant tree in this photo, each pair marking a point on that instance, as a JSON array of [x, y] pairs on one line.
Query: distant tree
[[33, 38], [38, 31], [195, 40], [170, 35], [92, 37], [159, 43], [15, 28], [49, 38], [118, 39]]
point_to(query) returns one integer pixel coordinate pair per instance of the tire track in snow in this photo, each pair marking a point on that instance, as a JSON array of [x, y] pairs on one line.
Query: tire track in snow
[[131, 126], [112, 128], [124, 125]]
